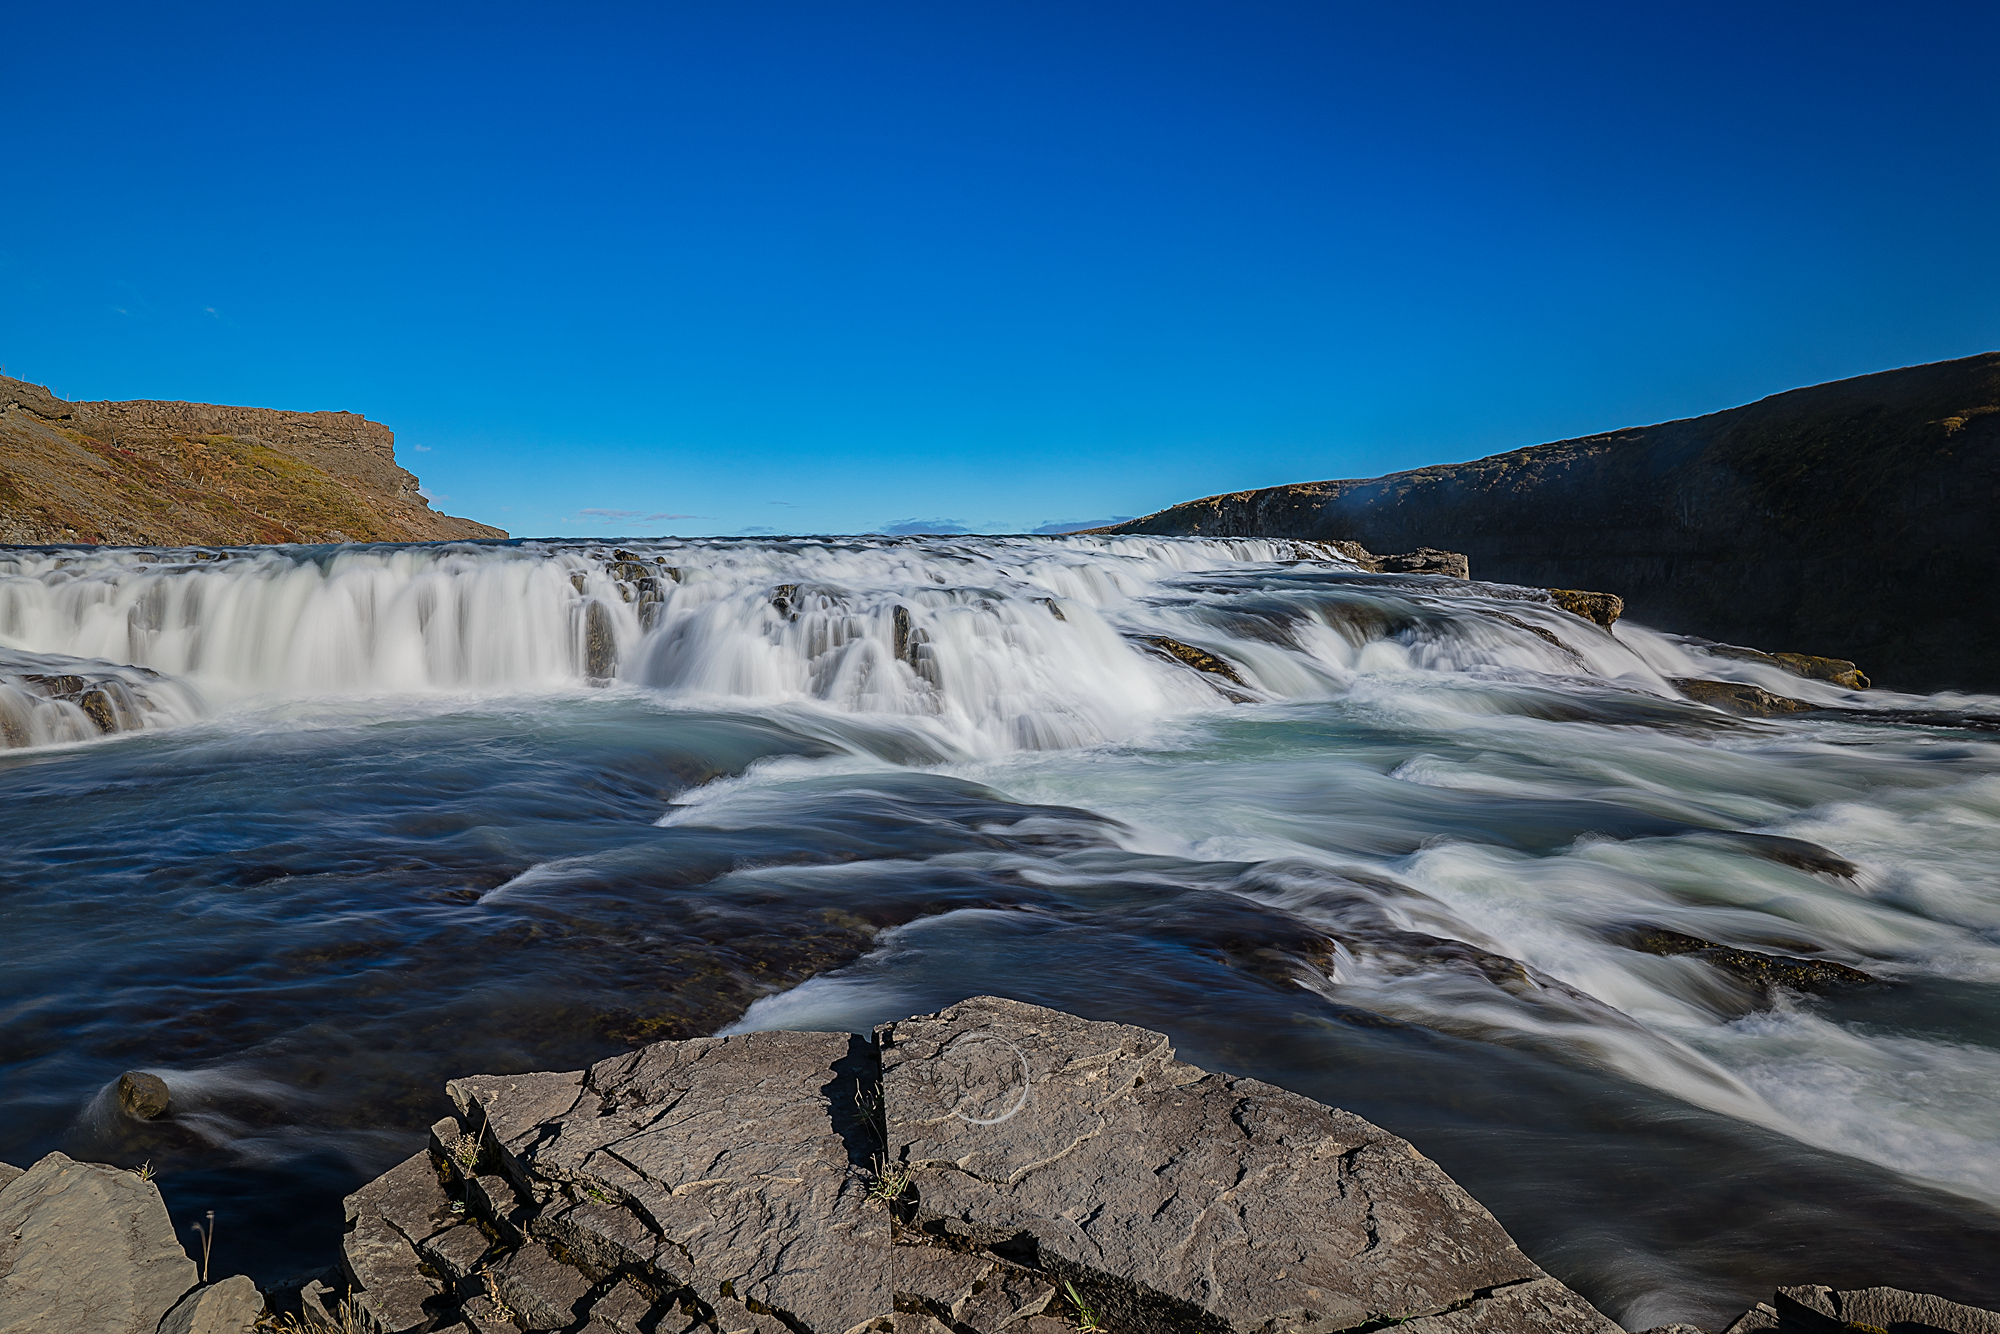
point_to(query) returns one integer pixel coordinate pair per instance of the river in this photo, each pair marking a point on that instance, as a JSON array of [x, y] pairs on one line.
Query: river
[[374, 817]]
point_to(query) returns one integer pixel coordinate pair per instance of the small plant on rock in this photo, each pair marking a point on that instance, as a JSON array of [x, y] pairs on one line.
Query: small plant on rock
[[347, 1318], [891, 1183], [464, 1154], [1086, 1317], [144, 1171]]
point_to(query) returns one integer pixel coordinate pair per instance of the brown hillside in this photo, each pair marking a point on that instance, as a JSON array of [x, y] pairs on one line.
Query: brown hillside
[[150, 473]]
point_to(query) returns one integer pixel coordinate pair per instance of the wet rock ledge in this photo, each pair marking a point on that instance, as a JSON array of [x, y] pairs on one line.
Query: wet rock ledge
[[996, 1166]]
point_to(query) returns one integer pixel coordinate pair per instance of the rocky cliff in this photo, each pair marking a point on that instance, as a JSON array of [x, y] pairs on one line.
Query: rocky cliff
[[149, 473], [1853, 520]]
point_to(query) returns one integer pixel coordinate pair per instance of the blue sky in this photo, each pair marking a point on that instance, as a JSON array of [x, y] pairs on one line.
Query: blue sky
[[831, 268]]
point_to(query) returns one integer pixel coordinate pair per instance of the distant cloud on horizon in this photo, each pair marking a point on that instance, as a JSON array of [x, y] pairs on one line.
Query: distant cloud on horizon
[[1057, 527], [923, 528]]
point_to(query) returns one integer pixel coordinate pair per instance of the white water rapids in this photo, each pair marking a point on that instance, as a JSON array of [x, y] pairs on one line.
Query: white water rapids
[[1467, 797], [1008, 644]]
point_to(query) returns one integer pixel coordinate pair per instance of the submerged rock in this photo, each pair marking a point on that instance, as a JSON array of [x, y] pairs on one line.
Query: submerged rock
[[1739, 698], [1763, 972], [1602, 608], [996, 1166], [1199, 659], [111, 698], [1837, 670]]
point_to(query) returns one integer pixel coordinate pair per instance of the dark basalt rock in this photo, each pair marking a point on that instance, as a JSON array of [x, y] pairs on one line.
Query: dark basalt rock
[[969, 1172], [142, 1095], [1602, 608], [1763, 972]]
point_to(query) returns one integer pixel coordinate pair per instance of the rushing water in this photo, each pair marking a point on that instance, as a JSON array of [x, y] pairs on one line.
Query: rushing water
[[372, 817]]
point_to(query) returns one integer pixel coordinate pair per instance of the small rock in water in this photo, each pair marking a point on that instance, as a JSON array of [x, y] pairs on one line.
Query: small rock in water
[[1837, 670], [1762, 971], [1737, 697], [1199, 659], [1426, 560], [144, 1096], [1603, 608]]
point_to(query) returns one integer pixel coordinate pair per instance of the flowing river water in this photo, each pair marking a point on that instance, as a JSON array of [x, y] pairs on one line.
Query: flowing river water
[[372, 817]]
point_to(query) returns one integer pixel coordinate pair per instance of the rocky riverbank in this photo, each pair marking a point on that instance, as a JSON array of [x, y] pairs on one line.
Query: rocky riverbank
[[993, 1167], [151, 473], [1851, 520]]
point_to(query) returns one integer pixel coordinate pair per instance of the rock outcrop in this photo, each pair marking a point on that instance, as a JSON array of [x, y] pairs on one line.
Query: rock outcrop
[[1814, 1309], [148, 473], [1853, 519], [84, 1246], [996, 1166]]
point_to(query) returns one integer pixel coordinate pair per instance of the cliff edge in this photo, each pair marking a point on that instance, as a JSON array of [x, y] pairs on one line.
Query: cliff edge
[[151, 473], [1852, 520]]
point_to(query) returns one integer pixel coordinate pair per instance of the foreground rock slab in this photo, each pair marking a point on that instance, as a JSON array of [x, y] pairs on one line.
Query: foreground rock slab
[[994, 1167], [1171, 1197], [87, 1247]]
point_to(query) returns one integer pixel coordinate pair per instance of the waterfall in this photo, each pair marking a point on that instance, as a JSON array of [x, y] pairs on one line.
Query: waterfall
[[989, 644]]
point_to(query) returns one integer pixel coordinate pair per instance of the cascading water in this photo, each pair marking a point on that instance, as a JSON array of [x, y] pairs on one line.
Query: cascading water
[[1641, 974]]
